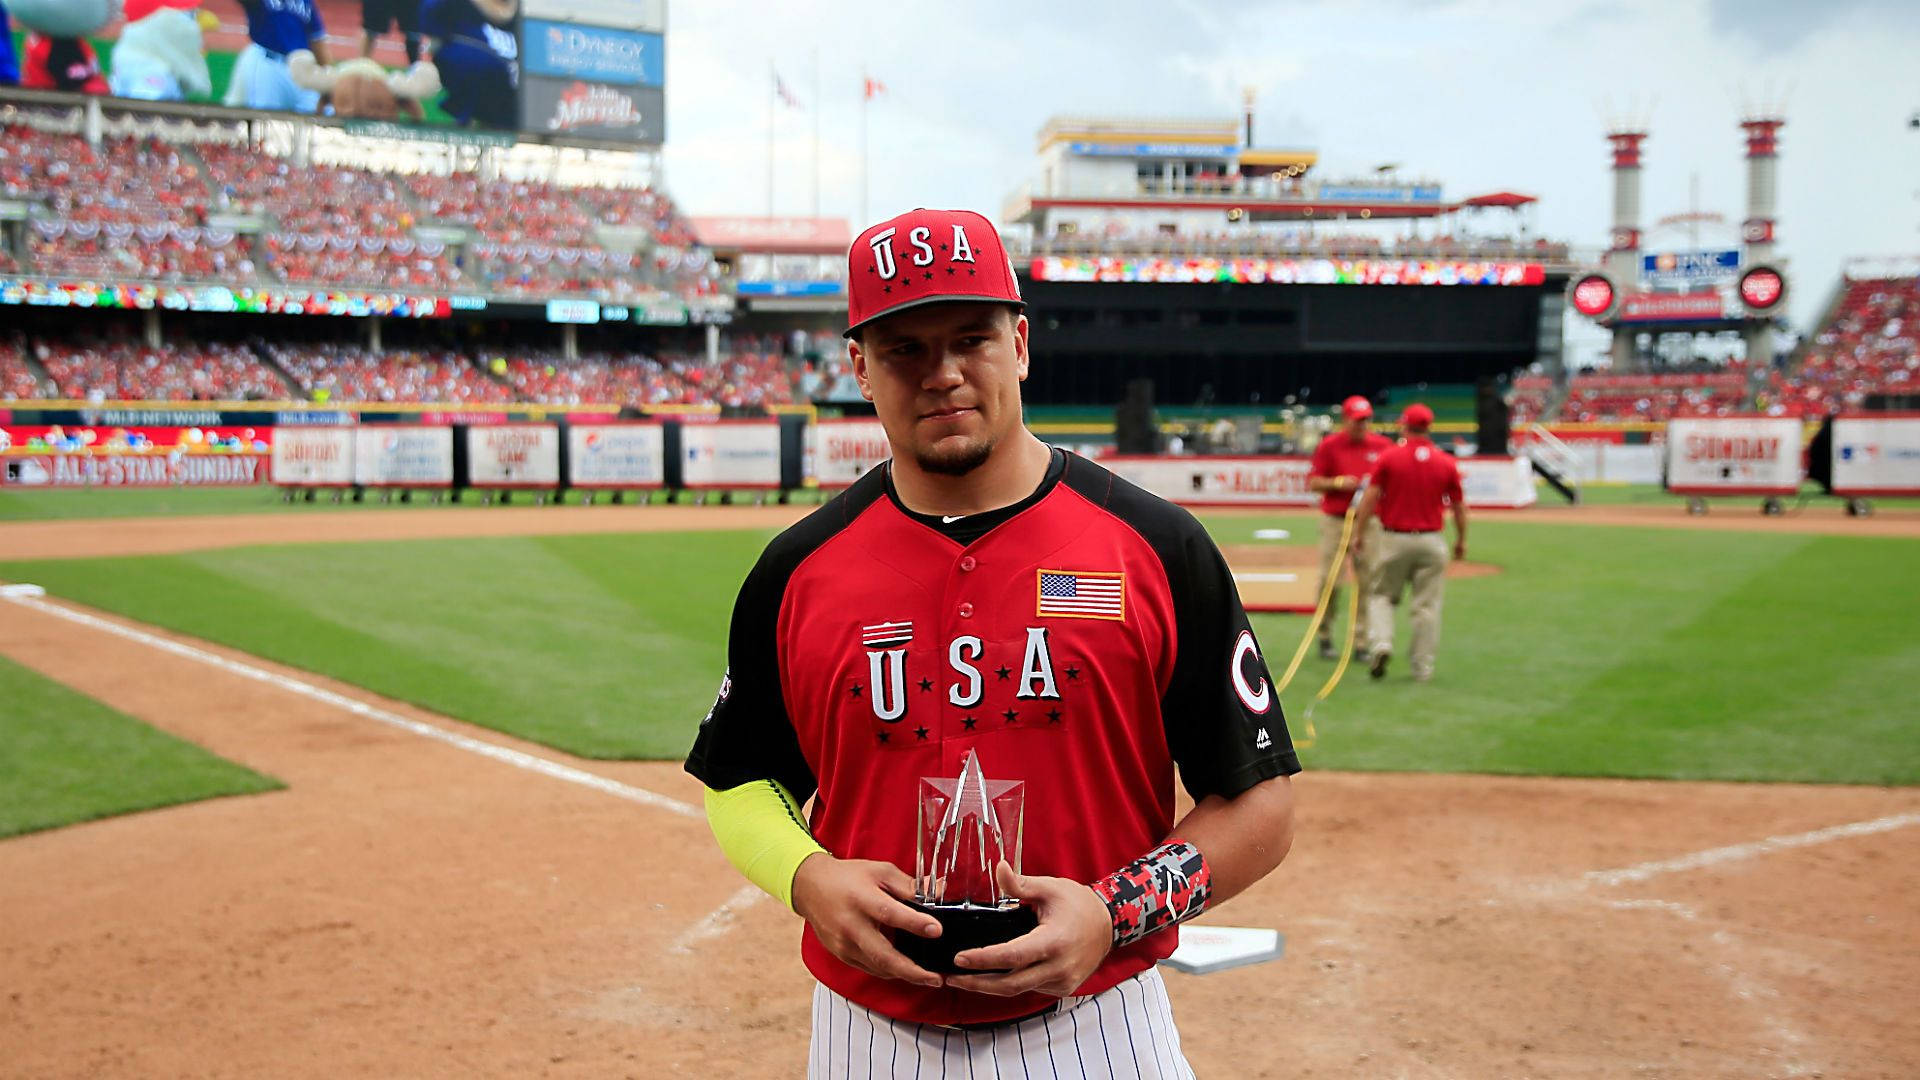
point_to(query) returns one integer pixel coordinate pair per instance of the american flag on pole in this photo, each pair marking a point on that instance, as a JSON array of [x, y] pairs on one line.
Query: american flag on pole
[[1076, 594], [881, 635]]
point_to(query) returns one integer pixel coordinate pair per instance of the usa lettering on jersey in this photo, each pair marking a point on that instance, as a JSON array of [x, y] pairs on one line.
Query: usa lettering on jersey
[[888, 682]]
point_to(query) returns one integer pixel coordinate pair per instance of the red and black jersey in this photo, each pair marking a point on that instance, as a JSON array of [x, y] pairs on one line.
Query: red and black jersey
[[1089, 644]]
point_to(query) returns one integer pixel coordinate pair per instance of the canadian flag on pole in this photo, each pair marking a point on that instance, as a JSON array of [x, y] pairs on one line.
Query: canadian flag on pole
[[874, 88]]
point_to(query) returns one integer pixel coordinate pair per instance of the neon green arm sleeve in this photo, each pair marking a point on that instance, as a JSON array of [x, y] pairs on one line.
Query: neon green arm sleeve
[[759, 828]]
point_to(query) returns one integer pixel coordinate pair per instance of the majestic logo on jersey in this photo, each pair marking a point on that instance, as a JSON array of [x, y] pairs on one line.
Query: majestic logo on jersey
[[1257, 696], [726, 687], [919, 240], [1074, 594], [881, 635]]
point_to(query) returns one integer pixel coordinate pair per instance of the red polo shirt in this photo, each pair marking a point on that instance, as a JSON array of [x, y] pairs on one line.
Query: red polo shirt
[[1339, 455], [1417, 480]]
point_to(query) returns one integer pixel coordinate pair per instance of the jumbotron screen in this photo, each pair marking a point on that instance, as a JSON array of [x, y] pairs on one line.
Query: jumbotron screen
[[561, 68]]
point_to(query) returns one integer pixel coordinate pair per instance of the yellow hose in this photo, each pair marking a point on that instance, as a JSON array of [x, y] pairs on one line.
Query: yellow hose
[[1313, 629]]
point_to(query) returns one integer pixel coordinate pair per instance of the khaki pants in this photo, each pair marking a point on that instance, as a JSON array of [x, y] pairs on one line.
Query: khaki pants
[[1419, 559], [1362, 565]]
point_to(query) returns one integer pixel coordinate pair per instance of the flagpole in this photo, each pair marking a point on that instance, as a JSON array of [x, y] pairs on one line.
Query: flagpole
[[770, 106], [866, 102], [816, 131]]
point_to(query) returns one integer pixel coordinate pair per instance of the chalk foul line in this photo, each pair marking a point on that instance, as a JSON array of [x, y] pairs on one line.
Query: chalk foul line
[[1700, 860], [505, 755]]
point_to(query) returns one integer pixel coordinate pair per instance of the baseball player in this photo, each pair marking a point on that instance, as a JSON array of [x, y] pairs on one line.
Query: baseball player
[[1413, 484], [377, 15], [1341, 463], [983, 592], [275, 30], [477, 56]]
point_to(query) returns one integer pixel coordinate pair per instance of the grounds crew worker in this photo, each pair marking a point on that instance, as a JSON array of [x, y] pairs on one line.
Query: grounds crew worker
[[985, 593], [1412, 485], [1341, 463]]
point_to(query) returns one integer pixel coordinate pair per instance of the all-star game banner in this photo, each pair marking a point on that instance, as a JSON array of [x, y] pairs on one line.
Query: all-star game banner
[[561, 68]]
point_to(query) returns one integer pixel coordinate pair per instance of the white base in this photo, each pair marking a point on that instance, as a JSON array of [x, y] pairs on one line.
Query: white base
[[1207, 949]]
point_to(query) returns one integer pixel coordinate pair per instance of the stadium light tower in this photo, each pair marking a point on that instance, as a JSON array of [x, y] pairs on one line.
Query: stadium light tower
[[1763, 167], [1623, 254]]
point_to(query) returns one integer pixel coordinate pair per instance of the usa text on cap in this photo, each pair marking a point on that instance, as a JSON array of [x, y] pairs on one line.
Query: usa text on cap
[[1356, 408], [926, 257]]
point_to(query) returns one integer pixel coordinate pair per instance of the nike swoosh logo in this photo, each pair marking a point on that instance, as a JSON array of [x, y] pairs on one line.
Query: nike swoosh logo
[[945, 520]]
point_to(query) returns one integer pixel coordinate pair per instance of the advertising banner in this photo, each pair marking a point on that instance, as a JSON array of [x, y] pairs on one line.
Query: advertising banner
[[313, 456], [1672, 307], [133, 470], [403, 456], [552, 106], [1488, 482], [513, 455], [40, 455], [616, 455], [593, 53], [843, 450], [1690, 267], [730, 454], [1150, 268], [1733, 455], [1876, 455]]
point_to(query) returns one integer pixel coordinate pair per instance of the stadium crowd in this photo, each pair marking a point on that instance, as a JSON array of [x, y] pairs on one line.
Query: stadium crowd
[[1871, 345], [334, 225], [110, 370]]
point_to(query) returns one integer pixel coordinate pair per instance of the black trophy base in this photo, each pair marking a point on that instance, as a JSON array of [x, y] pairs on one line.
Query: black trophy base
[[963, 927]]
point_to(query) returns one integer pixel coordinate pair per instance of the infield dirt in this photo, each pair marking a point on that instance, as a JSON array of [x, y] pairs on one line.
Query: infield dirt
[[408, 908]]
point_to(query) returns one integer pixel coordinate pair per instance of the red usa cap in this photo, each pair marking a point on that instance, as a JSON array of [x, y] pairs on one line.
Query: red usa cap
[[1417, 415], [1356, 408], [926, 257]]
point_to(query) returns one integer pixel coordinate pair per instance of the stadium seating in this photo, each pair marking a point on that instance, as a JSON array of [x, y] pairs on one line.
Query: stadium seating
[[1528, 398], [349, 373], [125, 180], [124, 371], [1602, 398], [334, 225], [17, 380], [317, 199], [149, 252], [1870, 345]]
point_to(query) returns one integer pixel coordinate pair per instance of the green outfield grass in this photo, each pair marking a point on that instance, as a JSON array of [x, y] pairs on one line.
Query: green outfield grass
[[65, 758], [604, 646], [1596, 651]]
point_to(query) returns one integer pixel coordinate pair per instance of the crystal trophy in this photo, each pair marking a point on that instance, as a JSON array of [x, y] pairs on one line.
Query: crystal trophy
[[966, 827]]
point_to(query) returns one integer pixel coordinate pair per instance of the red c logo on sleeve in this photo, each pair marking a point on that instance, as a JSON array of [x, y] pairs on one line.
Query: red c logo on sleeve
[[1257, 699]]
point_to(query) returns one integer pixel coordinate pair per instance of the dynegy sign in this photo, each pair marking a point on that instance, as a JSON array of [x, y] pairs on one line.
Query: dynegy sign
[[595, 53]]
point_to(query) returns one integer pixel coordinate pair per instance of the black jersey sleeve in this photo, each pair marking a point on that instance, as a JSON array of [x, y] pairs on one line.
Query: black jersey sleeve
[[1225, 727], [747, 735]]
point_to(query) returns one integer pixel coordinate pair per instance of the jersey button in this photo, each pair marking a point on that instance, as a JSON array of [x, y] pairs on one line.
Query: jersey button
[[967, 563], [966, 610]]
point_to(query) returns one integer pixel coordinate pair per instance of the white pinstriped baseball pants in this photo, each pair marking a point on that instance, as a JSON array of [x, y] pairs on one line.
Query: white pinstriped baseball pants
[[1125, 1033]]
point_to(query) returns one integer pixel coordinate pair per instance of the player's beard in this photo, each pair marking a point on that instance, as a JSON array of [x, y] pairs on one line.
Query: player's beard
[[956, 461]]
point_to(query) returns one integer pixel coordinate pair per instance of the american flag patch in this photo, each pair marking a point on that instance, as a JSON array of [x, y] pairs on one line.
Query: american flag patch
[[1073, 594], [880, 635]]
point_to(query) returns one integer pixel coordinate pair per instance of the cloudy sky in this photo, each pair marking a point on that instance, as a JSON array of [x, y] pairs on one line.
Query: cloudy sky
[[1480, 94]]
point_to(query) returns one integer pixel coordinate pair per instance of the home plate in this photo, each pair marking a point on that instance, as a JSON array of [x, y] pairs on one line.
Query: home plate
[[1271, 534], [21, 591], [1206, 949]]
